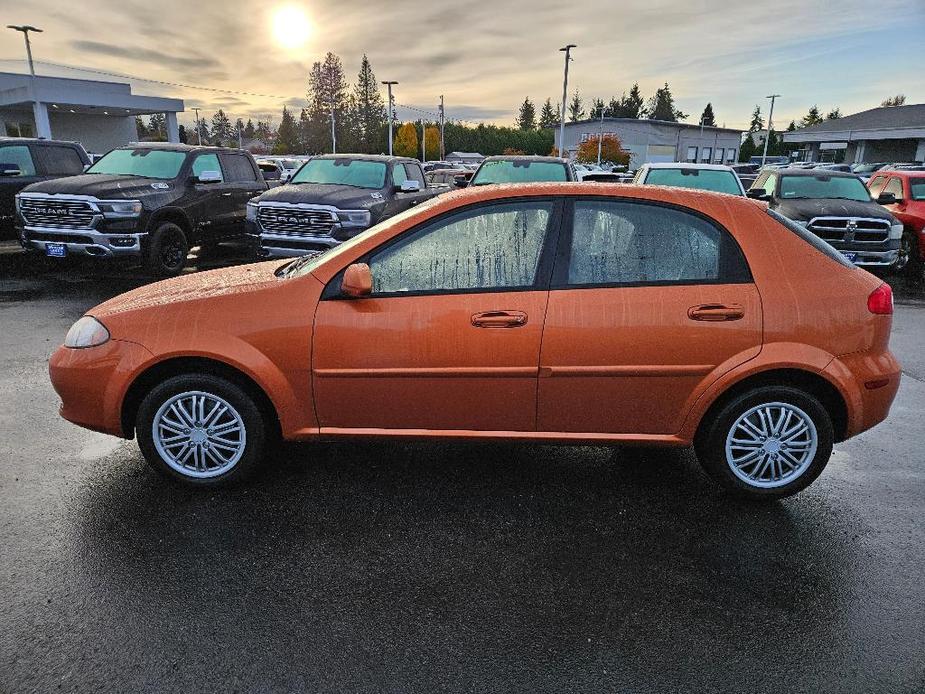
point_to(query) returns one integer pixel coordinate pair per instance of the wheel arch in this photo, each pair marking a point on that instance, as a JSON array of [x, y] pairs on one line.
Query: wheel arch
[[176, 366], [174, 215]]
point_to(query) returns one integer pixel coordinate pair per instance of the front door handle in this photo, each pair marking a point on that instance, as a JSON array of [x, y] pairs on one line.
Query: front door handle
[[499, 319], [716, 312], [226, 195]]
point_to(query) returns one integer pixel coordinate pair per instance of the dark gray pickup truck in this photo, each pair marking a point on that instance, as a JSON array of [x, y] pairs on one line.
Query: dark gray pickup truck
[[333, 198]]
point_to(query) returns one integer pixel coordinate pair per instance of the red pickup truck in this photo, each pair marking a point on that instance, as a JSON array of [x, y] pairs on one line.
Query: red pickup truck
[[908, 187]]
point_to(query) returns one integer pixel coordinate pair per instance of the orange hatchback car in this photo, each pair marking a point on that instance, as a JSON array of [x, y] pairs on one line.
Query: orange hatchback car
[[538, 312]]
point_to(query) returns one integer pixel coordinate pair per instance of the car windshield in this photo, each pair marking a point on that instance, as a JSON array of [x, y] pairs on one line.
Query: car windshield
[[701, 179], [917, 186], [143, 161], [823, 186], [519, 171], [358, 173]]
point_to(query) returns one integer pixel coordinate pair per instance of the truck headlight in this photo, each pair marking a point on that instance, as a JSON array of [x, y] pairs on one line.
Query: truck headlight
[[354, 218], [251, 212], [126, 208], [896, 231], [86, 332]]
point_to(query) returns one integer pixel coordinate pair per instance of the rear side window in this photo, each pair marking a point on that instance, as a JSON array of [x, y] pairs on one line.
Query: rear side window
[[631, 243], [238, 168], [55, 160], [811, 239], [17, 157]]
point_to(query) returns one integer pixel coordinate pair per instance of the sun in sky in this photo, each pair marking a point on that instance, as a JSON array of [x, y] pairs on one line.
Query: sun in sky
[[291, 26]]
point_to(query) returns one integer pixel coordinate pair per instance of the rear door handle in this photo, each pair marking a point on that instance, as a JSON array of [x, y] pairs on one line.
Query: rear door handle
[[716, 312], [226, 195], [499, 319]]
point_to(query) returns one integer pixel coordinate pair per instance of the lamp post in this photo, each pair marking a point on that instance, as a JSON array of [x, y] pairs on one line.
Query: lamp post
[[388, 84], [41, 116], [600, 137], [767, 138], [567, 50], [333, 135]]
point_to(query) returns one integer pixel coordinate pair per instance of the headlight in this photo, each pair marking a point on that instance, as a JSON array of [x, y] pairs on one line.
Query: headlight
[[896, 231], [251, 212], [354, 218], [127, 208], [86, 332]]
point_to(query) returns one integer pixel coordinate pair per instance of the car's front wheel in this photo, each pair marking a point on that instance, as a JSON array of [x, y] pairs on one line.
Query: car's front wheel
[[767, 443], [165, 255], [201, 429], [908, 261]]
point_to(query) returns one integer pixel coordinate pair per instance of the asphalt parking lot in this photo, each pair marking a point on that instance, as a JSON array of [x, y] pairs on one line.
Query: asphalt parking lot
[[384, 567]]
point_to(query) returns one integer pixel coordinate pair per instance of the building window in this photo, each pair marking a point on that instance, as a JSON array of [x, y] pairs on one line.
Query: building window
[[706, 154], [692, 155], [719, 155], [730, 155], [19, 130]]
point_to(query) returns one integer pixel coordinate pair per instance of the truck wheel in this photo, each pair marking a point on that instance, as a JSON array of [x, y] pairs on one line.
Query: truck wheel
[[167, 250], [909, 261]]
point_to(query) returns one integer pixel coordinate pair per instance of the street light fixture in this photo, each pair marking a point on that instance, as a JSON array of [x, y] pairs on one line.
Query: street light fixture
[[389, 83], [767, 138], [41, 119], [567, 50]]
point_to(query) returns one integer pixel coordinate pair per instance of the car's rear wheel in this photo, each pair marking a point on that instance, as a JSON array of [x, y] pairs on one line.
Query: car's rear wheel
[[165, 255], [202, 430], [767, 443]]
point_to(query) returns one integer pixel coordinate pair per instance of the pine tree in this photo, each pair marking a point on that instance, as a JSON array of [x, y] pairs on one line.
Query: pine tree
[[897, 100], [327, 90], [221, 128], [757, 121], [526, 119], [629, 105], [181, 133], [661, 106], [304, 130], [747, 149], [813, 117], [239, 129], [369, 109], [287, 137], [406, 141], [548, 117], [249, 130], [597, 105], [791, 127], [576, 109], [202, 131], [834, 114], [707, 117], [157, 127], [141, 130]]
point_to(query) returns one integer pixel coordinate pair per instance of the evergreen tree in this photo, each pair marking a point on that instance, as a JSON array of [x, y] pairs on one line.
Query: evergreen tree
[[597, 105], [327, 90], [897, 100], [141, 130], [221, 128], [287, 136], [304, 131], [834, 114], [707, 117], [548, 117], [157, 127], [526, 119], [249, 130], [747, 149], [239, 130], [264, 131], [813, 117], [181, 133], [791, 127], [757, 121], [369, 109], [406, 141], [661, 106], [202, 131], [628, 105], [576, 109]]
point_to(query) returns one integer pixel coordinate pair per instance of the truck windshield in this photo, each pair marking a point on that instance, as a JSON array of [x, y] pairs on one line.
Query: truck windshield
[[518, 171], [345, 172], [823, 186], [700, 179], [150, 163]]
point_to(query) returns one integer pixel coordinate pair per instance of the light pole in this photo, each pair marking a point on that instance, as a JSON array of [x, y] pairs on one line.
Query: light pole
[[423, 142], [600, 137], [567, 50], [767, 137], [198, 126], [389, 84], [333, 136], [41, 117], [442, 120]]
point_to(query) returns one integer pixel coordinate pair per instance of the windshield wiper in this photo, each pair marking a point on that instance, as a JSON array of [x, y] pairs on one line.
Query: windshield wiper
[[295, 265]]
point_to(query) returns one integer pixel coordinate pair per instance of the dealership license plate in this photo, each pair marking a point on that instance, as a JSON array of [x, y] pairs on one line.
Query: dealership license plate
[[850, 256], [55, 250]]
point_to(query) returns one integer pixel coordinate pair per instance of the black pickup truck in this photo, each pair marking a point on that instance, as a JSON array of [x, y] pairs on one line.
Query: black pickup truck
[[836, 207], [153, 201], [24, 161], [333, 198]]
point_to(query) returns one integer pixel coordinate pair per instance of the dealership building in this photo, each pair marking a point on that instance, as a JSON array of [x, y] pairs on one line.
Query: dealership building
[[99, 115], [885, 134], [650, 141]]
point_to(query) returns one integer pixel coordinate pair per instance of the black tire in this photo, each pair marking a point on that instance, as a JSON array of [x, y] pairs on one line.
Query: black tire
[[910, 260], [254, 425], [710, 442], [165, 255]]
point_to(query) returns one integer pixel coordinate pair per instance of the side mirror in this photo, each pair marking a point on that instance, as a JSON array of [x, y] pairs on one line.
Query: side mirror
[[409, 186], [358, 281], [886, 199], [461, 181], [10, 170], [208, 177], [758, 194]]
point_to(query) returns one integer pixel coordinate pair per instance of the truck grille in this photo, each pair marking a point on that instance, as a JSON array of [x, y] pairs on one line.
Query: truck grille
[[296, 221], [63, 214], [850, 229]]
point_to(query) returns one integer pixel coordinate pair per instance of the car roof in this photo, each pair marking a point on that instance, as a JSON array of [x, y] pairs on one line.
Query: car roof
[[524, 157], [816, 172], [687, 165], [36, 140], [385, 158], [899, 173], [178, 147]]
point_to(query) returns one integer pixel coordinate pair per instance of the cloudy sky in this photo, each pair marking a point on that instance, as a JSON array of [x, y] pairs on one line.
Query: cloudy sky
[[485, 57]]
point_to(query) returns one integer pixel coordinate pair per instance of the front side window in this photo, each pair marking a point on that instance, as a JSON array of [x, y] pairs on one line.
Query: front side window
[[413, 172], [876, 185], [629, 243], [56, 160], [699, 179], [494, 247], [15, 157], [143, 161], [823, 186], [519, 171], [895, 186], [207, 162], [358, 173]]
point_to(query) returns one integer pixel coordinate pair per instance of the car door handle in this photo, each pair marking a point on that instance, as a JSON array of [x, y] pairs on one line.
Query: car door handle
[[499, 319], [226, 195], [716, 312]]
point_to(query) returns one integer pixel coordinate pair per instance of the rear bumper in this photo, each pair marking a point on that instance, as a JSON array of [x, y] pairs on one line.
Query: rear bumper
[[869, 383]]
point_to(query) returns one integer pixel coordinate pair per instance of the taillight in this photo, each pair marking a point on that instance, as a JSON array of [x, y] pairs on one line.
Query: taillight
[[881, 300]]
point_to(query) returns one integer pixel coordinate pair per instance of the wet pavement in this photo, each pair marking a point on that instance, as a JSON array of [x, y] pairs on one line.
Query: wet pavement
[[385, 567]]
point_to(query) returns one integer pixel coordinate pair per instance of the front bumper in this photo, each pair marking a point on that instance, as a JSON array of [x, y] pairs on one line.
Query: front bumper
[[83, 242]]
